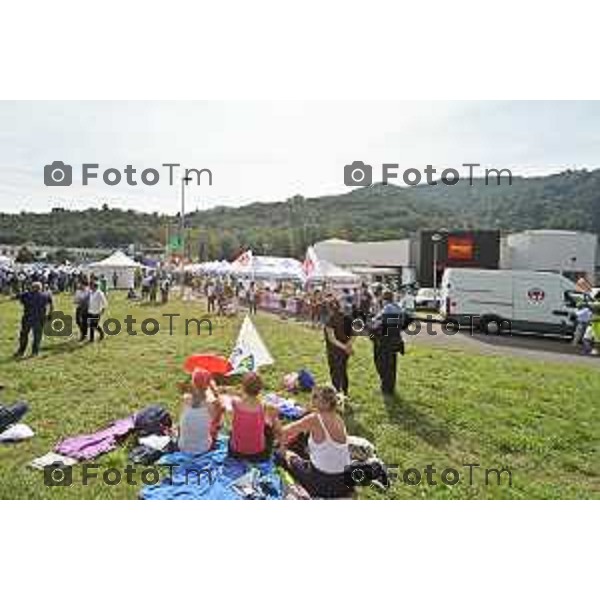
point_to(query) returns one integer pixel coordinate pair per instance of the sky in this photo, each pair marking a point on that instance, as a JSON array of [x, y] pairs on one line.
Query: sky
[[270, 151]]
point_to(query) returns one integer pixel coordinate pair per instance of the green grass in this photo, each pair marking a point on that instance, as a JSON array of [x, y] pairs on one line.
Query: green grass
[[540, 421]]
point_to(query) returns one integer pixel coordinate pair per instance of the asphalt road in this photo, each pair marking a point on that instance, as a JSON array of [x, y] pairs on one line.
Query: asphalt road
[[546, 349]]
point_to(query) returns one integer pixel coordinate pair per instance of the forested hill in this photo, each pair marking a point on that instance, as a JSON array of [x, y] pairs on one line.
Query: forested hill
[[568, 200]]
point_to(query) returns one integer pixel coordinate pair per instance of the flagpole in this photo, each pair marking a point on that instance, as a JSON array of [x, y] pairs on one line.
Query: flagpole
[[184, 180]]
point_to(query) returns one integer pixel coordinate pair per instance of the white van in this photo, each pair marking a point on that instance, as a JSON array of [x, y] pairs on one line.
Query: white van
[[506, 300]]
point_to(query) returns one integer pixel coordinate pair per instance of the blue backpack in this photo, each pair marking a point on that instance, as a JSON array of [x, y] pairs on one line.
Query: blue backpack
[[306, 381]]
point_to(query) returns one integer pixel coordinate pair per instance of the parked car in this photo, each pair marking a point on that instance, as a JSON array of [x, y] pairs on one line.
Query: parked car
[[427, 298], [507, 300]]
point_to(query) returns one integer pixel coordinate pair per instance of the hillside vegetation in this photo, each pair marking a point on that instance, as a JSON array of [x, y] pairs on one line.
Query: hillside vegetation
[[568, 200]]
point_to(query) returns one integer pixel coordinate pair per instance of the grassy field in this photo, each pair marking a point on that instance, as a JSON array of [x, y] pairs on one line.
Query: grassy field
[[539, 421]]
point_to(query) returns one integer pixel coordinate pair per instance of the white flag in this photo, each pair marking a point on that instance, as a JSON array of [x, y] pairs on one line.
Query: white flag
[[310, 262], [250, 351], [245, 259]]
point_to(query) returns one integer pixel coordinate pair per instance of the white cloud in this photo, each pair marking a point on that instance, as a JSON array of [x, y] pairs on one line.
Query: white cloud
[[269, 151]]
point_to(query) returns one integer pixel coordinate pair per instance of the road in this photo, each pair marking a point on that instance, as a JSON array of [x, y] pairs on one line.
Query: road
[[522, 346]]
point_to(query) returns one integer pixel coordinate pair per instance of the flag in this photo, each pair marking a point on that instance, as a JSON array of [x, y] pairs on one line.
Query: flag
[[243, 260], [310, 262], [250, 351]]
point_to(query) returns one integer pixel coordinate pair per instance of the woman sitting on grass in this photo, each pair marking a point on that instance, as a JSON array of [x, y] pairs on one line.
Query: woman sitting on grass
[[201, 416], [254, 423], [322, 475]]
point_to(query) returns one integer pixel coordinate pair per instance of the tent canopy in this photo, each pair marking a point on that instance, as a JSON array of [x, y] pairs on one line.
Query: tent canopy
[[117, 264], [269, 267], [117, 259]]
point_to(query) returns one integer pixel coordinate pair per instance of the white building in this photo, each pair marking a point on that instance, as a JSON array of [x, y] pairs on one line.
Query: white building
[[369, 258], [572, 253]]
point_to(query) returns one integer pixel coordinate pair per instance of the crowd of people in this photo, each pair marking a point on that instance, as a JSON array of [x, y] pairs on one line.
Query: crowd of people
[[314, 449], [343, 313], [17, 279], [34, 287]]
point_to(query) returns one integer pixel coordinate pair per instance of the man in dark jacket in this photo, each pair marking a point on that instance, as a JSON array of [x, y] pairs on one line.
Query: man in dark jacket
[[386, 333], [338, 343], [36, 306]]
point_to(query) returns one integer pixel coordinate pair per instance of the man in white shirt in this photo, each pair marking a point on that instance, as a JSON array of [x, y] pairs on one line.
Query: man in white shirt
[[96, 304], [407, 301]]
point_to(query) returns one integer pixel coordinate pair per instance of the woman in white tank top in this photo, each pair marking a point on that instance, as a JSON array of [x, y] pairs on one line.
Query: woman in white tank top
[[323, 474], [328, 456]]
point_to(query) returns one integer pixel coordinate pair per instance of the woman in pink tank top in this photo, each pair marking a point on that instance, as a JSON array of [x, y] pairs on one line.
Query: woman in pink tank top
[[247, 427], [252, 420]]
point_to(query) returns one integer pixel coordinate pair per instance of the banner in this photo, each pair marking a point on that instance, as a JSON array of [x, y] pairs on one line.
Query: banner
[[250, 351], [175, 243]]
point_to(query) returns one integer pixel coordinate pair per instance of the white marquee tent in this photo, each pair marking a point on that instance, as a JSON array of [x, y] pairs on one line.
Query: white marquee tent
[[267, 267], [316, 270], [118, 263]]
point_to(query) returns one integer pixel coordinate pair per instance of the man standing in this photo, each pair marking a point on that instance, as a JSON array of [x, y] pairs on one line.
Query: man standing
[[164, 290], [96, 305], [81, 300], [386, 333], [583, 316], [338, 343], [154, 288], [365, 301], [115, 280], [36, 305], [210, 296], [251, 297]]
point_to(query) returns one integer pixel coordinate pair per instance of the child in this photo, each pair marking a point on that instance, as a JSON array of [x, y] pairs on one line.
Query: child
[[201, 415], [253, 423]]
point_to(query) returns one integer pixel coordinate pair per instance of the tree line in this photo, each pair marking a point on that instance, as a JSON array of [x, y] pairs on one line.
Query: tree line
[[567, 200]]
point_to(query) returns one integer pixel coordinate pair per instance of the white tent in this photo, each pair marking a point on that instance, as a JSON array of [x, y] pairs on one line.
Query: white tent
[[317, 270], [117, 263], [267, 267]]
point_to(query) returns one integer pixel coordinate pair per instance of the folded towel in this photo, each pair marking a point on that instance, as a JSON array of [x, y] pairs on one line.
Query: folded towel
[[51, 458]]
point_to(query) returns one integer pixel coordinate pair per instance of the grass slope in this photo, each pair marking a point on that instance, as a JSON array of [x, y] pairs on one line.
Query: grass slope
[[454, 408]]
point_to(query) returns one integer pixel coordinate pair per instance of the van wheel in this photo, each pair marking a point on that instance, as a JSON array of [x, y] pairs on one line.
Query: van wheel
[[490, 325]]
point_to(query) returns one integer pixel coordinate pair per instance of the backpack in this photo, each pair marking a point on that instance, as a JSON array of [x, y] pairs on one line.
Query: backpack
[[152, 419], [306, 381]]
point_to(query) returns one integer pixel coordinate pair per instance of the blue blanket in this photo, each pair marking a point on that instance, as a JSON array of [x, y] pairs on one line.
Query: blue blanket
[[210, 476]]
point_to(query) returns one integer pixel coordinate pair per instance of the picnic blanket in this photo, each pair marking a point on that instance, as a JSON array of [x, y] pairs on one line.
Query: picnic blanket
[[214, 476], [86, 447]]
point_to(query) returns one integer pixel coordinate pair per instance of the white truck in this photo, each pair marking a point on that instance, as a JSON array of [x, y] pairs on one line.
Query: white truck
[[498, 301]]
